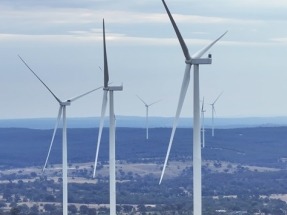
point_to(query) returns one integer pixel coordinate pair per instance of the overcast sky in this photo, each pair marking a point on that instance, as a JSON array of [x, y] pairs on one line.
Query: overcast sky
[[61, 40]]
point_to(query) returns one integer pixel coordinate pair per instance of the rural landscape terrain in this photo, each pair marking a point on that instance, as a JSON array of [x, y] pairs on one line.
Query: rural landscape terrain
[[244, 172]]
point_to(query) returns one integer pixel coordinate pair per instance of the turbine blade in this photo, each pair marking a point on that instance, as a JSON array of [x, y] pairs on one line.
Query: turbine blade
[[212, 108], [154, 103], [40, 79], [206, 48], [180, 39], [142, 100], [183, 91], [217, 98], [106, 70], [104, 107], [84, 94], [53, 137], [202, 106]]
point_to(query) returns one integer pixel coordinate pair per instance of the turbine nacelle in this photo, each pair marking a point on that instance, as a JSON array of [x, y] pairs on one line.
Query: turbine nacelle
[[198, 61], [66, 103], [114, 88]]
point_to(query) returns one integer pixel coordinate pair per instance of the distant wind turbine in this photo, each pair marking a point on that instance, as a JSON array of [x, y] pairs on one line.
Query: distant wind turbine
[[147, 108], [213, 112], [62, 111], [202, 123], [195, 60], [112, 153]]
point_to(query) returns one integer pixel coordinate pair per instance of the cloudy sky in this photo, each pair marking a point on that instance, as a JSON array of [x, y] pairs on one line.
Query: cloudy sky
[[62, 41]]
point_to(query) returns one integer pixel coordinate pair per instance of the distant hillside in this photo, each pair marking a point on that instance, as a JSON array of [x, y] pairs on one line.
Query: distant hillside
[[139, 122], [260, 146]]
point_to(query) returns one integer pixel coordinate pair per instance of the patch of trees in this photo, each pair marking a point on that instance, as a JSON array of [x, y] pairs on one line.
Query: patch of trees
[[173, 195], [251, 146]]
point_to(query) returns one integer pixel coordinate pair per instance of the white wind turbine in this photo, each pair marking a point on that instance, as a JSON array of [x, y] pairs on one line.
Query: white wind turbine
[[202, 123], [147, 108], [195, 60], [213, 112], [62, 111], [112, 153]]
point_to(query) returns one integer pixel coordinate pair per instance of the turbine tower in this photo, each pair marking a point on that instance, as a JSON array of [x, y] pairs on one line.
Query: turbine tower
[[213, 112], [194, 60], [112, 153], [147, 108], [62, 111], [202, 123]]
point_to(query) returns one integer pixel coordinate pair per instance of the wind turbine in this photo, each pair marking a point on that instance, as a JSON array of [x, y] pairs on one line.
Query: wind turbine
[[202, 123], [194, 60], [112, 153], [213, 112], [62, 111], [147, 108]]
